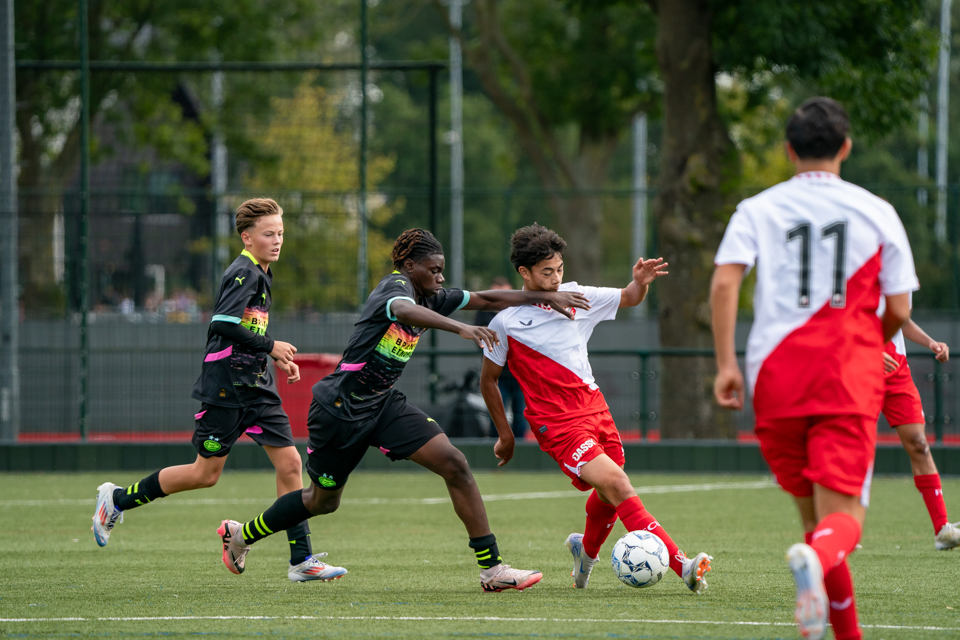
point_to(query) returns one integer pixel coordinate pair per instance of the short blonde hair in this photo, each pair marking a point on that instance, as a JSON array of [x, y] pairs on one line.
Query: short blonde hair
[[252, 210]]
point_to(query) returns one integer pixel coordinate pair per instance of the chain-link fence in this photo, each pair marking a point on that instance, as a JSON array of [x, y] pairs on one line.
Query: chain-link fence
[[142, 376], [175, 149]]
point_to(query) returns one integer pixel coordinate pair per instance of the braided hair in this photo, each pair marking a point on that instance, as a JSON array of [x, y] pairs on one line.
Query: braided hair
[[415, 244]]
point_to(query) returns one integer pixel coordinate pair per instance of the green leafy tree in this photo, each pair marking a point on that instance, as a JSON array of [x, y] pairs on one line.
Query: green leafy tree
[[855, 51], [314, 165], [568, 76], [139, 106]]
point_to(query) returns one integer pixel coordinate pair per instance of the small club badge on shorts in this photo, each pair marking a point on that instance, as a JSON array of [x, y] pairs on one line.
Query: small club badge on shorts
[[212, 445], [326, 481]]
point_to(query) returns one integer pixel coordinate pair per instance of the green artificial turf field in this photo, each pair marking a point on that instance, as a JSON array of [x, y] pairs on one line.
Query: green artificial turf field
[[412, 575]]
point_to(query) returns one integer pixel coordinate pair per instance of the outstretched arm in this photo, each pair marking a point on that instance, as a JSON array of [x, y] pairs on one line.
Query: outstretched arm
[[489, 375], [417, 316], [500, 299], [644, 273], [724, 296], [913, 333]]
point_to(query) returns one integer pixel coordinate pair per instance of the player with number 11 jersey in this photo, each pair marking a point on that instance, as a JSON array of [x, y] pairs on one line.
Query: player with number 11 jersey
[[825, 251]]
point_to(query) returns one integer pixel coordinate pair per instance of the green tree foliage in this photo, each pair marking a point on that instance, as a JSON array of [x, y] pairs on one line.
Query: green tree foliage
[[139, 109], [314, 165], [568, 76], [132, 31], [874, 56], [856, 51]]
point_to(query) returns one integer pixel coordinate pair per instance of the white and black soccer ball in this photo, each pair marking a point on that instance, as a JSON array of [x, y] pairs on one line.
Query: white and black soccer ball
[[640, 559]]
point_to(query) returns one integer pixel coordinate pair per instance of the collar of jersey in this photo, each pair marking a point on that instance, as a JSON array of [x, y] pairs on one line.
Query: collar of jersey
[[818, 175], [254, 260], [250, 255]]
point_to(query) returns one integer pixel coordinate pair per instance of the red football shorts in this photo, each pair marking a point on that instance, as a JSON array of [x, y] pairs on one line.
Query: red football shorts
[[835, 452], [574, 445], [901, 400]]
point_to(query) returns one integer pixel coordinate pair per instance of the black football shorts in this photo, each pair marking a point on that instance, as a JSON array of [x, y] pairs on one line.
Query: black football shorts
[[218, 428], [335, 446]]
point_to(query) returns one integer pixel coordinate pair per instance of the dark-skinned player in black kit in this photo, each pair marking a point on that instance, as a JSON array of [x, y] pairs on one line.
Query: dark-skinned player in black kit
[[356, 407]]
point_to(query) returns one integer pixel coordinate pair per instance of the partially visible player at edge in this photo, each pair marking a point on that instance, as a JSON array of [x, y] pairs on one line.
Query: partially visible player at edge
[[237, 393], [904, 411], [825, 251], [356, 406], [565, 408]]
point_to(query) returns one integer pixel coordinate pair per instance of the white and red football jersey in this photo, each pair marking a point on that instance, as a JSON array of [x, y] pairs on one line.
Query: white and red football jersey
[[825, 250], [547, 354]]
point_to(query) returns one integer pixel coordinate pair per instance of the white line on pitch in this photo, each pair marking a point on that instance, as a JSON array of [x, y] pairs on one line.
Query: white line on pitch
[[669, 488], [467, 619]]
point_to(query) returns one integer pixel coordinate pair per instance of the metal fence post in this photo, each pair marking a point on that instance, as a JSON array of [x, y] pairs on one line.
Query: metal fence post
[[938, 417], [84, 257], [9, 294], [434, 202], [644, 406], [362, 275]]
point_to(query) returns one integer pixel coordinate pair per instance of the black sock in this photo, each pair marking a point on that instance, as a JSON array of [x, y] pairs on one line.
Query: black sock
[[488, 555], [139, 493], [299, 537], [287, 512]]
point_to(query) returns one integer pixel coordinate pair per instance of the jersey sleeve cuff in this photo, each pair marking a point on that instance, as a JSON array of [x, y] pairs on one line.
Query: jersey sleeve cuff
[[390, 302], [720, 261], [466, 300], [902, 288], [221, 318], [489, 356]]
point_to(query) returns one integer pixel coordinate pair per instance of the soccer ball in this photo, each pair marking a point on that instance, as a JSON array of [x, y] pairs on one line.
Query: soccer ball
[[640, 559]]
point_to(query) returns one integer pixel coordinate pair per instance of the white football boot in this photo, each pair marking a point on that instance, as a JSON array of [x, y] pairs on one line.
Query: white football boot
[[503, 577], [695, 571], [813, 607], [313, 569], [106, 515], [948, 538], [234, 547], [582, 563]]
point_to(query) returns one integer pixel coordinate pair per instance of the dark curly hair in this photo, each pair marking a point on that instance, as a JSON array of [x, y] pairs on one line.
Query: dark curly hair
[[415, 244], [530, 245], [818, 128]]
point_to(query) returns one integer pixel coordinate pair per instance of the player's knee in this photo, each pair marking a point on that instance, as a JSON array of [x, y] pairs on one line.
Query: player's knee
[[619, 492], [319, 502], [290, 469], [917, 446], [325, 507], [207, 478], [455, 468], [613, 488], [321, 505]]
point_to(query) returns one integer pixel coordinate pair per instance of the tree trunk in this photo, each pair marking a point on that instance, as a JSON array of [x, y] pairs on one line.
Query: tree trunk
[[699, 166], [580, 216]]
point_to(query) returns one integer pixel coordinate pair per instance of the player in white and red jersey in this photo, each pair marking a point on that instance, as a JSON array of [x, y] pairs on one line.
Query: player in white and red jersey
[[547, 354], [825, 251], [903, 410]]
